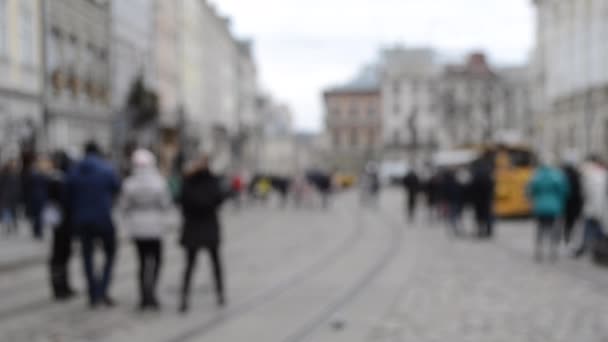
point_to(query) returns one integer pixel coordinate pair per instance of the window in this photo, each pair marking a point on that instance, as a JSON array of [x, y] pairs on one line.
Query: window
[[336, 113], [371, 111], [396, 138], [27, 34], [354, 138], [3, 28], [397, 109], [396, 88]]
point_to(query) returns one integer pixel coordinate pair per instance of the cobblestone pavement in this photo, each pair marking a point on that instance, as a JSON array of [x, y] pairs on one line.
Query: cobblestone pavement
[[348, 274]]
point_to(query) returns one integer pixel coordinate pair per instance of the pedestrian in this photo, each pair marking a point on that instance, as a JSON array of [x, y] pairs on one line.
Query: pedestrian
[[370, 185], [454, 192], [144, 202], [58, 215], [548, 191], [574, 202], [201, 198], [412, 186], [482, 198], [36, 197], [324, 185], [281, 185], [92, 186], [237, 185], [10, 196], [594, 186]]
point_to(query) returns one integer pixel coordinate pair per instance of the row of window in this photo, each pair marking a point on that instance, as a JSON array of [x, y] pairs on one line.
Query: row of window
[[26, 26], [354, 111], [354, 138]]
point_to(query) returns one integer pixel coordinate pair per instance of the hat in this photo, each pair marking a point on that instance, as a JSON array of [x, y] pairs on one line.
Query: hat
[[143, 158]]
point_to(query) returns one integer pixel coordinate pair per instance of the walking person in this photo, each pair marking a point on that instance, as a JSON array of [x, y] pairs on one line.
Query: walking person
[[594, 186], [370, 186], [454, 190], [548, 191], [201, 198], [482, 198], [411, 182], [10, 196], [574, 202], [144, 202], [58, 216], [36, 194], [92, 186]]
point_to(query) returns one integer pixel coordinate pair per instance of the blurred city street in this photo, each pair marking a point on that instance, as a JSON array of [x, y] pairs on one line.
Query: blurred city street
[[346, 274]]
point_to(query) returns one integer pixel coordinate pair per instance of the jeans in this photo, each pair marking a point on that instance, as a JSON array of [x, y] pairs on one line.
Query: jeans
[[547, 227], [9, 220], [149, 253], [98, 284], [593, 232], [455, 214]]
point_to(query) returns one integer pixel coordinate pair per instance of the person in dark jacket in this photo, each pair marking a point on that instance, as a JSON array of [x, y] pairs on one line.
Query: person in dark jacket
[[454, 192], [411, 182], [482, 198], [61, 248], [574, 202], [92, 186], [201, 198], [10, 195], [36, 197]]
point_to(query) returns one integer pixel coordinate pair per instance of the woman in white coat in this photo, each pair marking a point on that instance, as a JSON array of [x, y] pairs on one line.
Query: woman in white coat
[[144, 203]]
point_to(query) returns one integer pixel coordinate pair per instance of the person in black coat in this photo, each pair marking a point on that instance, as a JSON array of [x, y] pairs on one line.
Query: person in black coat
[[482, 198], [411, 182], [574, 202], [61, 247], [201, 198], [10, 195]]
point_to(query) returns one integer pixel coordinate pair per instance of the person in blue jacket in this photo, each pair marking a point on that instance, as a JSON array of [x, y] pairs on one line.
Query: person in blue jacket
[[548, 191], [92, 185]]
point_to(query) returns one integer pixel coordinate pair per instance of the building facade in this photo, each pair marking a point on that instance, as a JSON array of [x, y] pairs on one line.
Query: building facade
[[132, 47], [21, 117], [483, 104], [77, 73], [353, 114], [166, 58], [190, 57], [275, 146], [410, 94], [572, 74]]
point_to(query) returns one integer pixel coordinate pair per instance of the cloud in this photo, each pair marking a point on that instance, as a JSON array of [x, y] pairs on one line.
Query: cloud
[[304, 46]]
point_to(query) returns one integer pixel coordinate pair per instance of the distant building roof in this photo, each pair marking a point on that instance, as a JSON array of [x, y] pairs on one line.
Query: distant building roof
[[368, 80]]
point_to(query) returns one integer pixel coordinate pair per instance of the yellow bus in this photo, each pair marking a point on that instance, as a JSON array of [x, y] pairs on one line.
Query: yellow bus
[[513, 169]]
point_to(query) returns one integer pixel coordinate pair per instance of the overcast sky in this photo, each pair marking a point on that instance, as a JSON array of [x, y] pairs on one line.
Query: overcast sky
[[303, 46]]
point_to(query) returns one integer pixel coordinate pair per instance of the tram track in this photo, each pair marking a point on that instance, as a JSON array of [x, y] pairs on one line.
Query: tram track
[[43, 301], [276, 290]]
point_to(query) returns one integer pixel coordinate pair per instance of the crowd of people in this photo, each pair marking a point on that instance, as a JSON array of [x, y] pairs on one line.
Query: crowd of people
[[562, 198], [78, 200]]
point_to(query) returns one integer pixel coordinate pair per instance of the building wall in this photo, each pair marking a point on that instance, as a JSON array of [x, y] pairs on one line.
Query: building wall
[[354, 124], [21, 70], [572, 74], [191, 66], [77, 69], [132, 50], [166, 58]]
